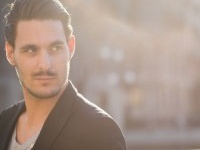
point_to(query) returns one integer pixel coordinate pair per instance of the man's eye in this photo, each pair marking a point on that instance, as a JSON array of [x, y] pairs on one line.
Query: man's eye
[[56, 49], [30, 51]]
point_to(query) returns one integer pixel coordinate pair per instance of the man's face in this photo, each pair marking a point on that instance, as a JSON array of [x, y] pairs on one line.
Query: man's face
[[41, 57]]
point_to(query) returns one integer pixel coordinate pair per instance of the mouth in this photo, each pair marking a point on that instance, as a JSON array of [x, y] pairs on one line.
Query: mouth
[[44, 78]]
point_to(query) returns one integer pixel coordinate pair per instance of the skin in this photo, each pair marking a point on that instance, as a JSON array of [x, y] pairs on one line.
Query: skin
[[41, 57]]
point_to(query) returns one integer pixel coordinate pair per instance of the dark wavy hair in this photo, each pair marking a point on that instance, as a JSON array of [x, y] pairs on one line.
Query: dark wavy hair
[[35, 9]]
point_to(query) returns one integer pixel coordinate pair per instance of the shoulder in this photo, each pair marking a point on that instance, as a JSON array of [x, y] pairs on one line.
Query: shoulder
[[97, 126], [88, 126], [7, 114], [83, 108], [7, 122]]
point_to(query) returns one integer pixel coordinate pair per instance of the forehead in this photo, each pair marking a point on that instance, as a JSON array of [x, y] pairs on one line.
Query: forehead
[[39, 32]]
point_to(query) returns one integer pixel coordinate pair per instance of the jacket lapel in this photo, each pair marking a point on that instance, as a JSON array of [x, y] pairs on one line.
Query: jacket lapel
[[56, 119], [17, 110]]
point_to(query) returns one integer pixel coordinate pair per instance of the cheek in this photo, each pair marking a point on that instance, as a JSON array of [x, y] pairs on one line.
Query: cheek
[[24, 68], [62, 61], [62, 66]]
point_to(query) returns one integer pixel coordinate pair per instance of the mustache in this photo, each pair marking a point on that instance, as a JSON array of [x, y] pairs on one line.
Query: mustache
[[44, 73]]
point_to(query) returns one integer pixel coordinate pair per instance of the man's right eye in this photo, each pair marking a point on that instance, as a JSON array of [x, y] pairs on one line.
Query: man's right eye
[[29, 51]]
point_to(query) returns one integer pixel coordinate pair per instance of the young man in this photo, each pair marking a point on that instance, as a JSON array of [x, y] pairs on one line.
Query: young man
[[53, 115]]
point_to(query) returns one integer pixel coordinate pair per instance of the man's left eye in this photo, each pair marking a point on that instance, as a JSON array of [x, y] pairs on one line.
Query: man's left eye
[[55, 49]]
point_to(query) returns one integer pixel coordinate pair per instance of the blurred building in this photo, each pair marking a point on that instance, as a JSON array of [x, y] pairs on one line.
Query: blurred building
[[141, 64]]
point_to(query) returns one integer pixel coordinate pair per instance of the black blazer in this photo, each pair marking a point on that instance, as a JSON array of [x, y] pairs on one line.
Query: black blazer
[[73, 124]]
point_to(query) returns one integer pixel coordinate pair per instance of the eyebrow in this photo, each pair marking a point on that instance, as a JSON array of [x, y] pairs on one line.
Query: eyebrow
[[58, 42], [29, 46], [32, 46]]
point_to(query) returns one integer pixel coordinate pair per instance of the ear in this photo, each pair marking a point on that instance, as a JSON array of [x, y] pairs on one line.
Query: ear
[[10, 54], [71, 45]]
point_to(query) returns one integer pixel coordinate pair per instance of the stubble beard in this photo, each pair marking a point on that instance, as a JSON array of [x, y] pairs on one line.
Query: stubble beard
[[40, 95]]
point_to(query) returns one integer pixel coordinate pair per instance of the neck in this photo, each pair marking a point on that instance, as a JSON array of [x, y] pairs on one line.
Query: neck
[[37, 110]]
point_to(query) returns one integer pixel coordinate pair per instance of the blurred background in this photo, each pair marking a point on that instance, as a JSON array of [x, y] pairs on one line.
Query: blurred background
[[137, 59]]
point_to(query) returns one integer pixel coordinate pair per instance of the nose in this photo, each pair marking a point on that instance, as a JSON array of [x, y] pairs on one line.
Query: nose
[[44, 61]]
